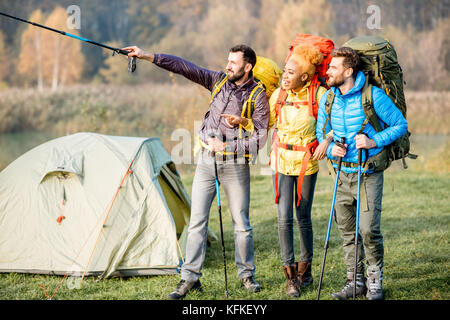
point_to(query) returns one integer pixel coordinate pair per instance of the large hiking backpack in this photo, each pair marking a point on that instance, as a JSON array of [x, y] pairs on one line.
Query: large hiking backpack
[[380, 65], [267, 72], [320, 78]]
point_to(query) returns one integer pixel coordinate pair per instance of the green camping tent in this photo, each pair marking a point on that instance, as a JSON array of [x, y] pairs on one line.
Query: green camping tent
[[95, 205]]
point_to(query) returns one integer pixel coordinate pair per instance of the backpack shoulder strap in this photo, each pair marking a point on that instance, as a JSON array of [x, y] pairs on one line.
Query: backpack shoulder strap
[[218, 86], [312, 99], [250, 104], [328, 105], [369, 110], [282, 96]]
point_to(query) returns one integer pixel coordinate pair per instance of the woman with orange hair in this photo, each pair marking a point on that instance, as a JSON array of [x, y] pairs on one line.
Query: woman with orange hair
[[294, 160]]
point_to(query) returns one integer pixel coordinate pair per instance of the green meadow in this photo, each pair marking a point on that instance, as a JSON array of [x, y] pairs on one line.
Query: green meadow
[[415, 216], [415, 223]]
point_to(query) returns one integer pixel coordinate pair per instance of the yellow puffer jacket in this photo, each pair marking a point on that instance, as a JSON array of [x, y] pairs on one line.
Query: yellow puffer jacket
[[297, 127]]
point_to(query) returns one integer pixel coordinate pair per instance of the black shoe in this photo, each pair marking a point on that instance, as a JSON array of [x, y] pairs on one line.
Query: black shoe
[[347, 291], [250, 284], [183, 288]]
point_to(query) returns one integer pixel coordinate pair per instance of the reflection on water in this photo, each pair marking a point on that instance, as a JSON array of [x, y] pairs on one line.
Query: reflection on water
[[428, 147], [13, 145]]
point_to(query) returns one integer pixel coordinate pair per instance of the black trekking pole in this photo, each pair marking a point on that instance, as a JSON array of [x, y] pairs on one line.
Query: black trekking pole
[[358, 204], [221, 224], [330, 220], [131, 61]]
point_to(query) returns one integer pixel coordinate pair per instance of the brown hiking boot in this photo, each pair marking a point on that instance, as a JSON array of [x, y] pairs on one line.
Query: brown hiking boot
[[304, 275], [291, 280]]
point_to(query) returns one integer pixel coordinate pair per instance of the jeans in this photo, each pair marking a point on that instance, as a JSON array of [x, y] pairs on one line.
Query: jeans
[[287, 188], [235, 182]]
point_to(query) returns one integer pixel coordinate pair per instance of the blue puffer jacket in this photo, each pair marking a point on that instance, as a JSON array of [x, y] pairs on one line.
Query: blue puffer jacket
[[347, 117]]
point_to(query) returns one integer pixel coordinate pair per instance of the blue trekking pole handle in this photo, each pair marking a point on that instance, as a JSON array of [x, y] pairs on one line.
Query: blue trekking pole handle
[[358, 205]]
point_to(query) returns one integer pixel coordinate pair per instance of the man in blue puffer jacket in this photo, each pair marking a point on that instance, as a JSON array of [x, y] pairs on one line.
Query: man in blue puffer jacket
[[346, 120]]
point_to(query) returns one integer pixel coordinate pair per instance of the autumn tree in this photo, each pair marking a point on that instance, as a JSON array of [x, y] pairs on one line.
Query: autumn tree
[[149, 23], [308, 16], [62, 56], [267, 18], [4, 65], [30, 58], [226, 24]]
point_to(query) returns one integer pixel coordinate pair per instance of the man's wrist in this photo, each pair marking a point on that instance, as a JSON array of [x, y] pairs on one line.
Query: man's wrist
[[374, 144], [148, 56], [329, 139]]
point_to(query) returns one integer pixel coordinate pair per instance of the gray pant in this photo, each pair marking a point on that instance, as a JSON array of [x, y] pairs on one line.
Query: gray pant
[[370, 241], [235, 182]]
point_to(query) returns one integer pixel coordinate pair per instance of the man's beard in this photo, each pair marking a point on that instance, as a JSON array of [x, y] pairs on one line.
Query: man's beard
[[335, 82], [235, 76]]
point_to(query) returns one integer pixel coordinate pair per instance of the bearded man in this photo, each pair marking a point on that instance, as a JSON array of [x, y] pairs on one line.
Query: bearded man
[[220, 139], [346, 120]]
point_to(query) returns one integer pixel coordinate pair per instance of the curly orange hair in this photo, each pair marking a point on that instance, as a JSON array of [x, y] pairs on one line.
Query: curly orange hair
[[308, 58]]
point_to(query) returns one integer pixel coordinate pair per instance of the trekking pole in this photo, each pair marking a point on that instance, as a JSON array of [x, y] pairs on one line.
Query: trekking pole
[[330, 220], [221, 224], [131, 61], [358, 204]]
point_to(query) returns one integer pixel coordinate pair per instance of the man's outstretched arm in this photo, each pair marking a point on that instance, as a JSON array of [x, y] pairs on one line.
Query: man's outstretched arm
[[204, 77]]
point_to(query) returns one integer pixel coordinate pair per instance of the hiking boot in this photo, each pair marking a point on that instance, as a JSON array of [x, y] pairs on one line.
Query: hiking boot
[[183, 288], [291, 280], [374, 285], [347, 291], [304, 275], [250, 284]]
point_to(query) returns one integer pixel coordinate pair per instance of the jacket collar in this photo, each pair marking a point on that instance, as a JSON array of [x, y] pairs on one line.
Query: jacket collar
[[359, 83], [299, 92]]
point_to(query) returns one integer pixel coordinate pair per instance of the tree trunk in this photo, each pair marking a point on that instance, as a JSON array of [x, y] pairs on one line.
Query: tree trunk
[[56, 57], [37, 43]]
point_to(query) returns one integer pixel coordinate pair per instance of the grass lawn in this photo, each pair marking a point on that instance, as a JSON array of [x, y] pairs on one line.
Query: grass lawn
[[415, 225]]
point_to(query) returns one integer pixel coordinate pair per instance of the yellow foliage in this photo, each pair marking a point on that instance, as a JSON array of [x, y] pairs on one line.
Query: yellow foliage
[[63, 59], [309, 16], [29, 63], [48, 57]]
